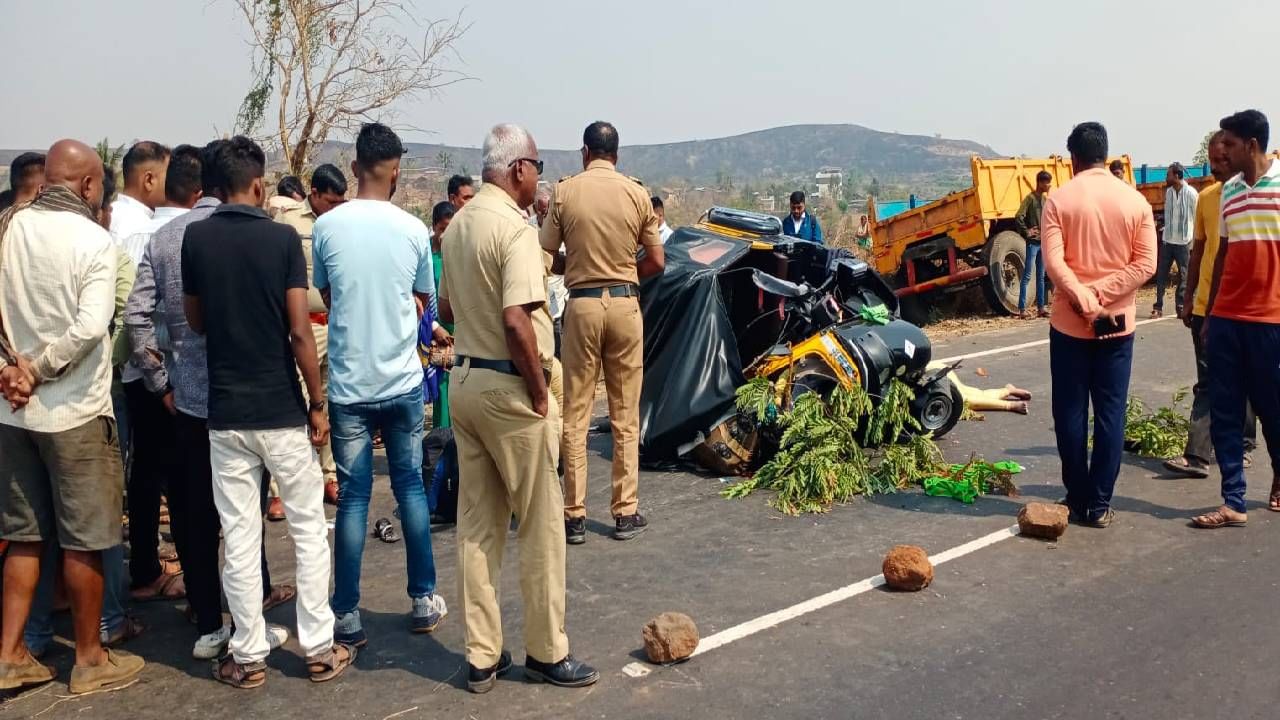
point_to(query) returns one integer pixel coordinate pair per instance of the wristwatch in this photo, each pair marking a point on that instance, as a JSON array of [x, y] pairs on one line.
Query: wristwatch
[[317, 406]]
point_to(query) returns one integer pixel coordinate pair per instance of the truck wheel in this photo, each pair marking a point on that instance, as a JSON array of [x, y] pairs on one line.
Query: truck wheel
[[1005, 255], [938, 407]]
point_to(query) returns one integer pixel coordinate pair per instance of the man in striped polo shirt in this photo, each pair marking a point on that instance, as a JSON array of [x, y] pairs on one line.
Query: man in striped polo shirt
[[1242, 327]]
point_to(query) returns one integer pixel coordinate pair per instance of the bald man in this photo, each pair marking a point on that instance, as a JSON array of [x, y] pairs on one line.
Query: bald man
[[60, 472]]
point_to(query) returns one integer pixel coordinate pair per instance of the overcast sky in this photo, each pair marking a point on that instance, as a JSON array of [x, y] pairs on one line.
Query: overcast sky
[[1013, 74]]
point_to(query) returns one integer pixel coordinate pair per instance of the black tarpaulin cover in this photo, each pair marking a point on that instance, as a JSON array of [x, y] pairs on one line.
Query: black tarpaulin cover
[[691, 363]]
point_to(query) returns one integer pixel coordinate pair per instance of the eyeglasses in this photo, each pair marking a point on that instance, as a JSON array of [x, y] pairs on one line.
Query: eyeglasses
[[537, 164]]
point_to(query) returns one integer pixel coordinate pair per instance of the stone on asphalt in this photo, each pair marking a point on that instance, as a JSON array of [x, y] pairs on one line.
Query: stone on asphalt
[[1043, 520], [907, 567], [670, 637]]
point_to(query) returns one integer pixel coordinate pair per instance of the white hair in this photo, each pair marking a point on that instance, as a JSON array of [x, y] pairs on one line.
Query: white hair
[[504, 145]]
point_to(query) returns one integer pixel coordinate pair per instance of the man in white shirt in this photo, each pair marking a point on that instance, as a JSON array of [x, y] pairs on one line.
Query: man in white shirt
[[1175, 247], [144, 168], [60, 471], [664, 230], [152, 429]]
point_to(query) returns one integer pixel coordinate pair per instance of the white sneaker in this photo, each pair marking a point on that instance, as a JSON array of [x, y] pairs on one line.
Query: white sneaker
[[213, 645], [277, 635]]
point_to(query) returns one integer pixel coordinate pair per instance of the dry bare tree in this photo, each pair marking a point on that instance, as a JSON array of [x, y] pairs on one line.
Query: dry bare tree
[[326, 66]]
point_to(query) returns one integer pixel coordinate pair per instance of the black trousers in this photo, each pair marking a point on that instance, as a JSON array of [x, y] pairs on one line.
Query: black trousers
[[152, 464], [191, 496]]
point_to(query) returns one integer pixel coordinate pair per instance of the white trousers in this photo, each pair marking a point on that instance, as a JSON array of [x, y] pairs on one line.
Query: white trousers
[[238, 457]]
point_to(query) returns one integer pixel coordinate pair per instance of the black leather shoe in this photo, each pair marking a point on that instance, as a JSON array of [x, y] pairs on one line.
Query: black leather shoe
[[482, 681], [568, 672], [575, 531], [629, 526]]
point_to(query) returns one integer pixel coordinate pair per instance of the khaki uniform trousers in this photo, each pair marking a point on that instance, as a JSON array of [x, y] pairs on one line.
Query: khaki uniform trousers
[[507, 462], [608, 333]]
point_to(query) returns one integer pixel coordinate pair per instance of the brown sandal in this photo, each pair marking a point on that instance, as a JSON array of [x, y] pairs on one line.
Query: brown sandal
[[244, 677], [1217, 519], [1273, 502], [331, 663], [280, 594], [132, 628], [169, 586]]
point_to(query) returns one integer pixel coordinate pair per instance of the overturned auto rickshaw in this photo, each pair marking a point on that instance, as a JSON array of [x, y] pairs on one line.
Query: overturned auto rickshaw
[[738, 300]]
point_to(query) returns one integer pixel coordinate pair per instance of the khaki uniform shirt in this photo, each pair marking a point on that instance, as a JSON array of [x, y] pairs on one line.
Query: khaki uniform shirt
[[601, 217], [492, 261], [302, 218]]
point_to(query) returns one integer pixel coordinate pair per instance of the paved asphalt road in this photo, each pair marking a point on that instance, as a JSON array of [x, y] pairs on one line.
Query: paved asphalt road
[[1149, 619]]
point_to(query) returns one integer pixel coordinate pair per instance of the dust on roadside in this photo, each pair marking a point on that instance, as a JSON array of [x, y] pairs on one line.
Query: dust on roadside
[[973, 318]]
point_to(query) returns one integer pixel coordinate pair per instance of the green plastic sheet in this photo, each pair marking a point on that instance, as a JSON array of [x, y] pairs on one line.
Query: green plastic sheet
[[966, 490], [877, 315]]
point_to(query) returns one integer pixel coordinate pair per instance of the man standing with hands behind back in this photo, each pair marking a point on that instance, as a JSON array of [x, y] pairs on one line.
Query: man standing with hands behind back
[[1099, 248], [602, 218], [505, 424]]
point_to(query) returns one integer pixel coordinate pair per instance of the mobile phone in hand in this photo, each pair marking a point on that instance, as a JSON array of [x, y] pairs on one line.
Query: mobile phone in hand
[[1108, 325]]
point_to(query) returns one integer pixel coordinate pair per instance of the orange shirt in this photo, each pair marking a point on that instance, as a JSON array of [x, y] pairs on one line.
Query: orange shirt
[[1099, 244]]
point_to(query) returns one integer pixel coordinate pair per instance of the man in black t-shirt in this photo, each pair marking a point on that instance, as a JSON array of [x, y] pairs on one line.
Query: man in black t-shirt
[[245, 288]]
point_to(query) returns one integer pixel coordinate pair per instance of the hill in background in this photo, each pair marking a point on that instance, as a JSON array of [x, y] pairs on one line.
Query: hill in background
[[794, 152]]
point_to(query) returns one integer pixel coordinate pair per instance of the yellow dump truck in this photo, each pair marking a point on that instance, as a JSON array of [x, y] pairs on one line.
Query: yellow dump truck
[[967, 237]]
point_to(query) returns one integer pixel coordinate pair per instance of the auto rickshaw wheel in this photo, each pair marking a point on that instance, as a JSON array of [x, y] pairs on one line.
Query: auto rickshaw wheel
[[938, 407]]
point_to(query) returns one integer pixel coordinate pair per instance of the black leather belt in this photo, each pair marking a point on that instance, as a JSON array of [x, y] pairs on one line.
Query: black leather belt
[[618, 291], [505, 367]]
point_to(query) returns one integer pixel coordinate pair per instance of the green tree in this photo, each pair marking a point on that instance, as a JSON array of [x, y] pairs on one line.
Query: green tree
[[110, 156], [444, 160], [1202, 155]]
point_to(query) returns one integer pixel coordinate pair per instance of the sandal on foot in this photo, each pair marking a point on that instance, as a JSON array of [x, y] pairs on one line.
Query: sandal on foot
[[246, 676], [331, 663], [1217, 519], [1185, 468], [131, 629], [169, 586], [280, 594], [1273, 502]]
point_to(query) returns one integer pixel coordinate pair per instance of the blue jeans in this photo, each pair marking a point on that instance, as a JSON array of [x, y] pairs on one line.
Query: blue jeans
[[38, 633], [1244, 369], [1085, 370], [400, 420], [1035, 262]]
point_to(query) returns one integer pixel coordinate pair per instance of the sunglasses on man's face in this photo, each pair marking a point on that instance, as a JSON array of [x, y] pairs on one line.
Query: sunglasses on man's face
[[537, 164]]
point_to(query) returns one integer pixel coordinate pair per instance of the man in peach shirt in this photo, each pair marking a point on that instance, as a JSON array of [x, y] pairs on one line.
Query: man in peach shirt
[[1099, 248]]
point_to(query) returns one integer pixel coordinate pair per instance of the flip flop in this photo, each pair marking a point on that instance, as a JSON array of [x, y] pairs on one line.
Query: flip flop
[[1273, 502]]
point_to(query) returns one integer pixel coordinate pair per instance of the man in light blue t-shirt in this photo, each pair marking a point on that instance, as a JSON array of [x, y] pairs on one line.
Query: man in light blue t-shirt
[[372, 266]]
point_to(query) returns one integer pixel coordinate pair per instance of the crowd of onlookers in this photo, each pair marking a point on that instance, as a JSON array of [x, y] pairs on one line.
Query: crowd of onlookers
[[219, 352]]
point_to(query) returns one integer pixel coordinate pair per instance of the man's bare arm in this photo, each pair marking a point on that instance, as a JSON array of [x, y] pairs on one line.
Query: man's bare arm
[[652, 262]]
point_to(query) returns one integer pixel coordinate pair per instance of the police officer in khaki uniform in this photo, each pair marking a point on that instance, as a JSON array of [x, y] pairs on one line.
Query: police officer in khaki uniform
[[328, 190], [603, 218], [506, 425]]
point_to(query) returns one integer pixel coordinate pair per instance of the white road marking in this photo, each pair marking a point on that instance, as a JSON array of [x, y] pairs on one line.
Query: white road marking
[[1024, 346], [773, 619]]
